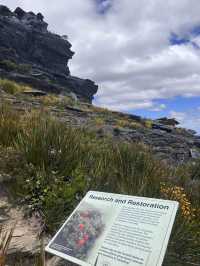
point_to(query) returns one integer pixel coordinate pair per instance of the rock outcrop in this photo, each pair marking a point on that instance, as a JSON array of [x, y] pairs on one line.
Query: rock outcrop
[[31, 54]]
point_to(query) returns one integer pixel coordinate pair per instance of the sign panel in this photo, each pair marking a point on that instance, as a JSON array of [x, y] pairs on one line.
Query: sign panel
[[116, 230]]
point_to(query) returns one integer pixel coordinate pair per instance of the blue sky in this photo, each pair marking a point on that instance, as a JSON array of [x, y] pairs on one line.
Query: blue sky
[[103, 6], [186, 110], [143, 54]]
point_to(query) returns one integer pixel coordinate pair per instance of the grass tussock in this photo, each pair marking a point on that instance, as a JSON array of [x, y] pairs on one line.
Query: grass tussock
[[129, 124], [9, 125], [56, 165], [12, 87], [58, 101]]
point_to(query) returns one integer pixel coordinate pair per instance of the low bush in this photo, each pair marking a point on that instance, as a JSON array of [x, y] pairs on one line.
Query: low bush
[[184, 244], [10, 87], [8, 65], [12, 66], [13, 87]]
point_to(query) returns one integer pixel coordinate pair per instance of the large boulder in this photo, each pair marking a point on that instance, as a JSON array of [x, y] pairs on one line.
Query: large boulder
[[5, 11]]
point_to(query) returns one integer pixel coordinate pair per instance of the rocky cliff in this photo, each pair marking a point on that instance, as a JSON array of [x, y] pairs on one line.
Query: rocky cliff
[[30, 53]]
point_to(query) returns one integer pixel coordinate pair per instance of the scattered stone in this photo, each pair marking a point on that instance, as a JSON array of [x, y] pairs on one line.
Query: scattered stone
[[162, 127]]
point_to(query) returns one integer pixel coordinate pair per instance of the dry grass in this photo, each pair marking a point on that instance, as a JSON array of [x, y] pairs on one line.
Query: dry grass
[[127, 123], [12, 87], [5, 239], [9, 125]]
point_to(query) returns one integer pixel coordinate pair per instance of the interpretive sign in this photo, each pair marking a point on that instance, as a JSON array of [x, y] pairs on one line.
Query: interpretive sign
[[116, 230]]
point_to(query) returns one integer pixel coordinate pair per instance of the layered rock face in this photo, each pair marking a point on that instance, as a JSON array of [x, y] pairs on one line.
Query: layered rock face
[[26, 42]]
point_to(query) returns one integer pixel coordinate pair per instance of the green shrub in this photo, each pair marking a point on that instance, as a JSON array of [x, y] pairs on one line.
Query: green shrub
[[10, 86], [148, 123], [12, 66], [184, 244], [185, 238], [8, 65]]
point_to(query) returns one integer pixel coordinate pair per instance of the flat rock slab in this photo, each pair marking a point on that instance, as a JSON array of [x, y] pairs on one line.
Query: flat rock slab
[[35, 93], [25, 242]]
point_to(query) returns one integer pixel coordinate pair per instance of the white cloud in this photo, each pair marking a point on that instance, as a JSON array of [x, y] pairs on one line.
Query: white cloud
[[126, 50]]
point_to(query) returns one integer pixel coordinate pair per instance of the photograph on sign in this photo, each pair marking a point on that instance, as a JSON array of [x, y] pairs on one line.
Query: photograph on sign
[[80, 233], [116, 230]]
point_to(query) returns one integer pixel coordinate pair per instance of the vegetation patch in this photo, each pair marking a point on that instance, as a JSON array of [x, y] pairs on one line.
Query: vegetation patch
[[58, 101], [148, 123], [12, 66], [54, 165], [127, 123], [12, 87]]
